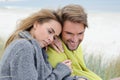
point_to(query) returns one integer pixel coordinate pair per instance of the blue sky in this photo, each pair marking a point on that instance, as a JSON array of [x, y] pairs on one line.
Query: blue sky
[[89, 5]]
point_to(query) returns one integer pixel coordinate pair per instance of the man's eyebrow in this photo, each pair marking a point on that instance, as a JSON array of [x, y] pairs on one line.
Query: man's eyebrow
[[81, 32], [68, 32]]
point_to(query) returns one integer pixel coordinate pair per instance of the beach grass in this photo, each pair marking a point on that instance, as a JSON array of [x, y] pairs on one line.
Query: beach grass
[[1, 46], [106, 72]]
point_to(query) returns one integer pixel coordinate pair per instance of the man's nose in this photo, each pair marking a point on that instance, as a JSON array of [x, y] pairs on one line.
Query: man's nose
[[75, 38]]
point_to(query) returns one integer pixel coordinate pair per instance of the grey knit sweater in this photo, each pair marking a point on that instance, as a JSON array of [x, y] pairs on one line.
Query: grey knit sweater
[[24, 59]]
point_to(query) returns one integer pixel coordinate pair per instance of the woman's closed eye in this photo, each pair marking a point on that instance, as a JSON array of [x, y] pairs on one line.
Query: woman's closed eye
[[51, 31]]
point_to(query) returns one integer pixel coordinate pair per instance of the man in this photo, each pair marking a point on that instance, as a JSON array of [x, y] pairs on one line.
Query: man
[[74, 21]]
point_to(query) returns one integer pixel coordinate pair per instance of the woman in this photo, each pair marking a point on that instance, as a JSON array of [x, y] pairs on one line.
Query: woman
[[25, 57]]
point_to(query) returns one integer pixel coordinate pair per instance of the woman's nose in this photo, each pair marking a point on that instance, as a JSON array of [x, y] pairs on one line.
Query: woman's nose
[[51, 38]]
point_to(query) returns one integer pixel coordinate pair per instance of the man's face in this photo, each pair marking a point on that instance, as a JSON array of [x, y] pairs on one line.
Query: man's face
[[72, 34]]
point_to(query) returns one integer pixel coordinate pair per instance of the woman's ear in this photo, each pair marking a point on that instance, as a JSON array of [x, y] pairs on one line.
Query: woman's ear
[[35, 25]]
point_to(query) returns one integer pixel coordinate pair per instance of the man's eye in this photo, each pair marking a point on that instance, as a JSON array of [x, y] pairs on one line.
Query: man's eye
[[81, 33]]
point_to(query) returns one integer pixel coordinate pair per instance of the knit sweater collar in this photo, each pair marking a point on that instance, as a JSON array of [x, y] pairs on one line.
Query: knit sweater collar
[[25, 34]]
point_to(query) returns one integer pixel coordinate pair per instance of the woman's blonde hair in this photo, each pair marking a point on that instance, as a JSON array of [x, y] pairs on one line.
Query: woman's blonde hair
[[42, 16]]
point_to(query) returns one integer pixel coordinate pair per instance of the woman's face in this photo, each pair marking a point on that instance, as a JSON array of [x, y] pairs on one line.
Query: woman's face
[[45, 33]]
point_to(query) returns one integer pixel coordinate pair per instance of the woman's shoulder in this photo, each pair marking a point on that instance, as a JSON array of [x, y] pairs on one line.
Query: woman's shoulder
[[20, 44], [19, 47]]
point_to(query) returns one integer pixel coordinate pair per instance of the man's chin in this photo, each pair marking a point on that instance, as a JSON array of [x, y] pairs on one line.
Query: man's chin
[[72, 49]]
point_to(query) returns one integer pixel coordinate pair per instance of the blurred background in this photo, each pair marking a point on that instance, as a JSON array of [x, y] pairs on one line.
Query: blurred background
[[101, 45]]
